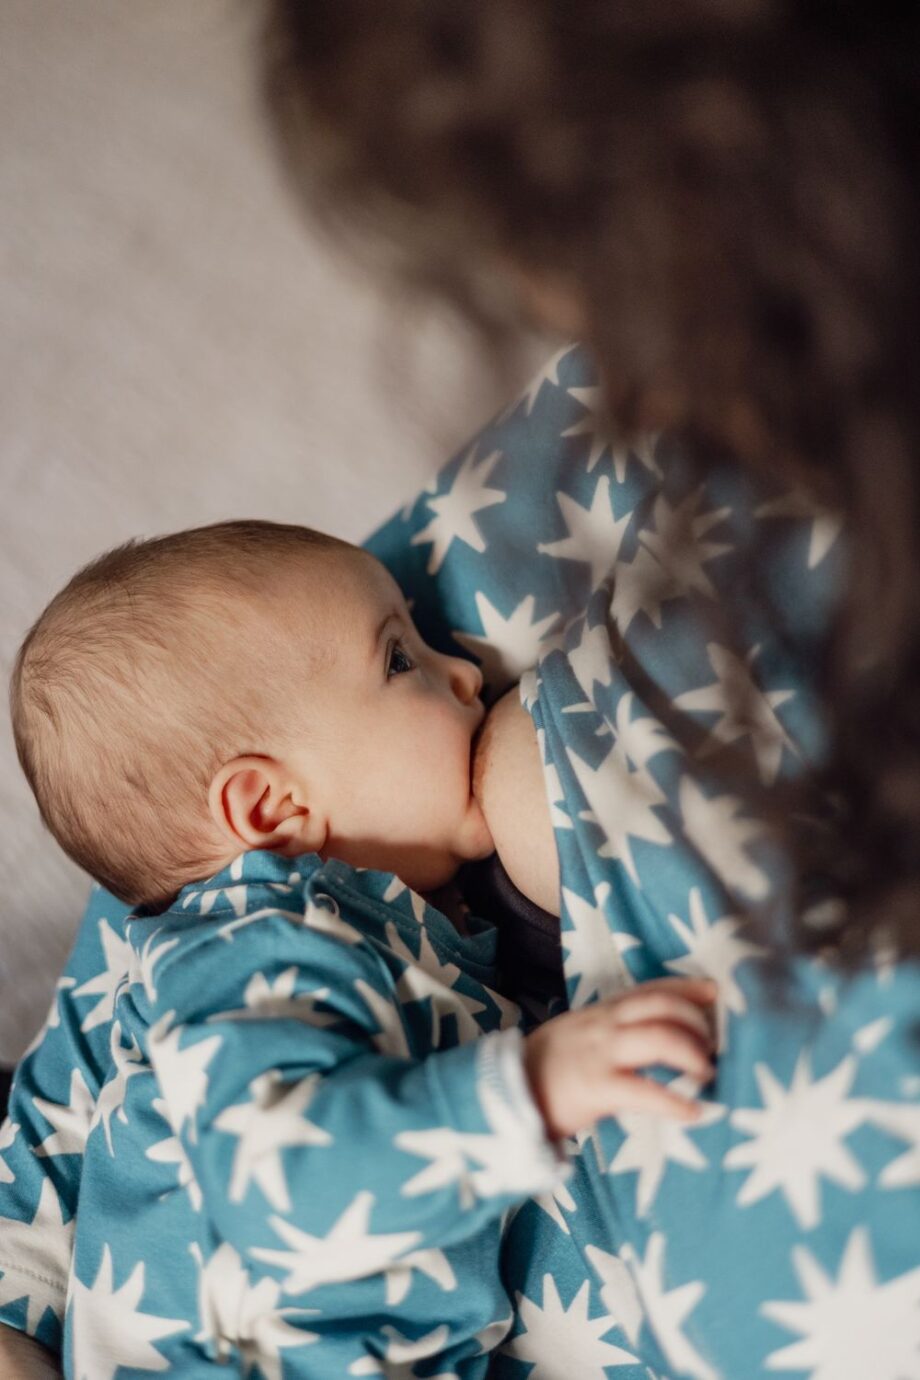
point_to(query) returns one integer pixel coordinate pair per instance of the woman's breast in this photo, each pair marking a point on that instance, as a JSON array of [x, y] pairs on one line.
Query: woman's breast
[[509, 784]]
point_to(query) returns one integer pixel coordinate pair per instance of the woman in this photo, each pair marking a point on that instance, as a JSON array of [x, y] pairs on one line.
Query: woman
[[721, 199]]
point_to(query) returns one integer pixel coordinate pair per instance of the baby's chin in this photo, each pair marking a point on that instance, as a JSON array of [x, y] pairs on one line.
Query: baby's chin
[[429, 870]]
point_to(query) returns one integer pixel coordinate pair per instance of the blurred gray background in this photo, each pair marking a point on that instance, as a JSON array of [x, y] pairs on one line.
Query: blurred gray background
[[175, 348]]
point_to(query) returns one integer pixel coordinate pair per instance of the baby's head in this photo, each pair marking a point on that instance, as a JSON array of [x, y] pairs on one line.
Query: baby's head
[[247, 685]]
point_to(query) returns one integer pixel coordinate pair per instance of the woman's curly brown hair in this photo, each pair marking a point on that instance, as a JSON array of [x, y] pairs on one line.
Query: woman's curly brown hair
[[730, 189]]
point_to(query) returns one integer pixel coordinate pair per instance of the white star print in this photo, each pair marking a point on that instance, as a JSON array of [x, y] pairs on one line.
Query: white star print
[[667, 1309], [7, 1136], [324, 916], [234, 1311], [641, 585], [401, 1353], [618, 1291], [593, 427], [171, 1151], [516, 1157], [349, 1251], [565, 1342], [149, 958], [417, 902], [594, 953], [46, 1243], [660, 572], [651, 1141], [797, 1137], [555, 798], [230, 928], [71, 1121], [621, 802], [827, 1000], [110, 1331], [745, 711], [182, 1073], [271, 1332], [713, 950], [494, 1332], [594, 535], [548, 373], [639, 737], [272, 1121], [433, 1263], [427, 977], [900, 1119], [870, 1036], [853, 1327], [884, 955], [126, 1063], [430, 488], [553, 1202], [447, 1150], [509, 645], [265, 1000], [529, 688], [644, 449], [826, 527], [53, 1019], [454, 511], [237, 896], [677, 541], [391, 1037], [720, 833], [119, 956], [509, 1159], [209, 894], [590, 659]]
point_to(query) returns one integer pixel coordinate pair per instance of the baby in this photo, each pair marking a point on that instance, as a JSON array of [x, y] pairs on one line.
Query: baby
[[251, 703]]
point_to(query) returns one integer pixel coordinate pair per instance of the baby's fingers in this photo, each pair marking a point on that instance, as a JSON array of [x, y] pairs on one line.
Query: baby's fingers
[[662, 1005], [630, 1093], [661, 1042], [702, 990]]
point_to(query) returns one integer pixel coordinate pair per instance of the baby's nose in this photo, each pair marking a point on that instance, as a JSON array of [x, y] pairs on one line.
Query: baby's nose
[[465, 679]]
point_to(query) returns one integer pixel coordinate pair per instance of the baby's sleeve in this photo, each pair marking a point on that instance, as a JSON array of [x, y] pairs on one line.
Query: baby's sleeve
[[52, 1104], [36, 1224], [322, 1146]]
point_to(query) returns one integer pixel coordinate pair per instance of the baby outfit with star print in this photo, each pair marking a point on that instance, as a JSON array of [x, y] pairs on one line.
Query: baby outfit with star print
[[776, 1235], [342, 1092]]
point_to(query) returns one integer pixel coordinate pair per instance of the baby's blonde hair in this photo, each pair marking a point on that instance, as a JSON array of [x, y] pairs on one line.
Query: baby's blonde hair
[[154, 665]]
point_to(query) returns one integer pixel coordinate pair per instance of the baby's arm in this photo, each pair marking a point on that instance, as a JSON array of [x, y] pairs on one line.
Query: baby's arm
[[320, 1144], [509, 785], [322, 1147]]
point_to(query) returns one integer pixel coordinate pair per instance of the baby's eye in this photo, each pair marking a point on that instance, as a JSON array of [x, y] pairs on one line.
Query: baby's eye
[[400, 662]]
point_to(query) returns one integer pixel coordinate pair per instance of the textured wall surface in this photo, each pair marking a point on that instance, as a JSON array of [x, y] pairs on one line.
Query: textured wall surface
[[175, 348]]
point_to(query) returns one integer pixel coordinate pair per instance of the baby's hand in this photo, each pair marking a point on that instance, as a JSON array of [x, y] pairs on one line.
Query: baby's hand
[[579, 1065]]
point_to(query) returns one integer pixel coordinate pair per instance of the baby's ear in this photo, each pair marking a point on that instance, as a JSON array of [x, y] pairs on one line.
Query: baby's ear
[[255, 803]]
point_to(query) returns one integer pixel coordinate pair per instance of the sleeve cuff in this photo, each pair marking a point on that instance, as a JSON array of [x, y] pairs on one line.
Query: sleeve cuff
[[536, 1163]]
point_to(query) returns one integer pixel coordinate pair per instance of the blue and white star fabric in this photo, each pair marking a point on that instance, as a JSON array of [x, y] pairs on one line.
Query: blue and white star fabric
[[311, 1122], [776, 1235]]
